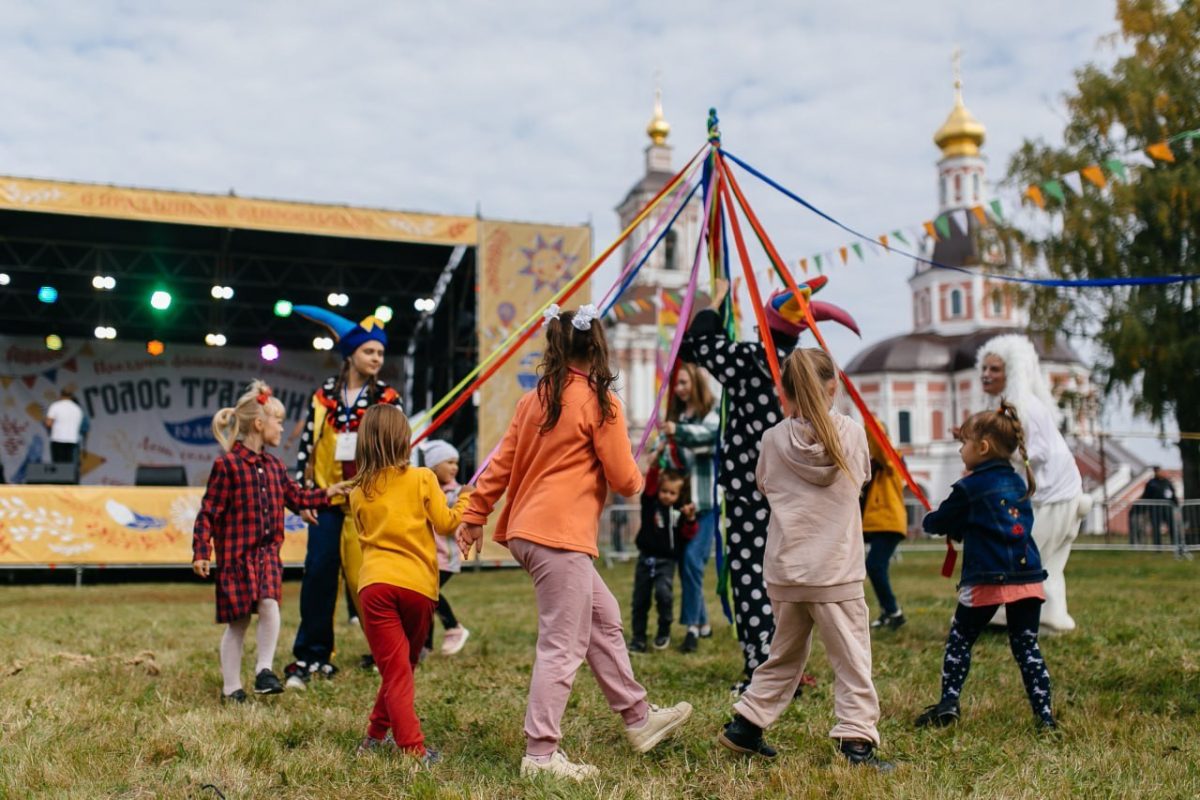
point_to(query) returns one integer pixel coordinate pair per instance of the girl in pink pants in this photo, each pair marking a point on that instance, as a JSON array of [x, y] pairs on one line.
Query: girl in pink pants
[[565, 447]]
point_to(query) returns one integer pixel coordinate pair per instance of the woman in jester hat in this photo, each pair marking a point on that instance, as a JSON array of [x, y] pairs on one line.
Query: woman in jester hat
[[752, 407], [326, 457]]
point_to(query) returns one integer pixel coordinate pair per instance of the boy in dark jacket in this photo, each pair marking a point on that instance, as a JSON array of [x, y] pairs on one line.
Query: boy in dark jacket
[[668, 523]]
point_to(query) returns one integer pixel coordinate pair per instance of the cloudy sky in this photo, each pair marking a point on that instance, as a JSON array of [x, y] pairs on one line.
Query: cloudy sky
[[537, 110]]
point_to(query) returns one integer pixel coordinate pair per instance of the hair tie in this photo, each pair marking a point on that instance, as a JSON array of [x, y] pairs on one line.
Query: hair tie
[[552, 312], [263, 397], [585, 316]]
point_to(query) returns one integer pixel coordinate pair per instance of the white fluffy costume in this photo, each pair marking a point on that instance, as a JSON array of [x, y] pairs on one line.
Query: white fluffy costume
[[1059, 503]]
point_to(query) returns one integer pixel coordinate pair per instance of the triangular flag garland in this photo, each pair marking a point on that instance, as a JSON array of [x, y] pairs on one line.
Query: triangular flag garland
[[858, 251], [1056, 188]]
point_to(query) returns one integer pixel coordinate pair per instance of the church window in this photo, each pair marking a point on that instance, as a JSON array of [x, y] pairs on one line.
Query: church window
[[939, 425], [670, 251], [975, 187], [997, 303], [943, 190], [958, 188], [956, 303], [905, 427]]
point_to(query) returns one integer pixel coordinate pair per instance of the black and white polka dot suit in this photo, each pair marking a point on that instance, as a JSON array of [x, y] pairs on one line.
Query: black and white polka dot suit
[[752, 407]]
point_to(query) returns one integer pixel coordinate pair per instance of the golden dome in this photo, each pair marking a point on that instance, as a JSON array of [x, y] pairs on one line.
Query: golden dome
[[659, 128], [961, 134]]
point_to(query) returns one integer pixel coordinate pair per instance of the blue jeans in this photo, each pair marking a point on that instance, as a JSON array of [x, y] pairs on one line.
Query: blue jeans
[[319, 587], [879, 557], [693, 610]]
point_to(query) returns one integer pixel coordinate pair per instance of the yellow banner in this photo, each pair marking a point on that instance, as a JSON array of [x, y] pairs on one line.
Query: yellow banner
[[521, 267], [188, 208], [61, 525]]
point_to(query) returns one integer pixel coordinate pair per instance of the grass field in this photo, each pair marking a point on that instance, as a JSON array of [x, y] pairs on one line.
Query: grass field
[[111, 691]]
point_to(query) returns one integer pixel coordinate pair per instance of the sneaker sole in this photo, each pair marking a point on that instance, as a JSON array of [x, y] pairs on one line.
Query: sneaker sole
[[664, 732], [296, 683], [268, 691], [529, 772], [461, 644], [737, 748], [663, 646]]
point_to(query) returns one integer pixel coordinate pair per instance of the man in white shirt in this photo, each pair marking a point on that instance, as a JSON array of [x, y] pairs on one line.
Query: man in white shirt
[[64, 418], [1009, 369]]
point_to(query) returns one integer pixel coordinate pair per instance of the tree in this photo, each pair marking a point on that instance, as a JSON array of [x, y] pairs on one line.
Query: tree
[[1147, 225]]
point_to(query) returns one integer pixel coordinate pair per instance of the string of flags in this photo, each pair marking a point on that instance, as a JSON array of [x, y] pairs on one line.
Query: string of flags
[[999, 210]]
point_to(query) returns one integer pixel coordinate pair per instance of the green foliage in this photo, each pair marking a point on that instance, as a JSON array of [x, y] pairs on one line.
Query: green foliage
[[1148, 226], [1126, 689]]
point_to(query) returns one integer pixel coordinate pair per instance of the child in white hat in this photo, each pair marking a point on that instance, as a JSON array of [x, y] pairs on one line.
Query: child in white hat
[[442, 457]]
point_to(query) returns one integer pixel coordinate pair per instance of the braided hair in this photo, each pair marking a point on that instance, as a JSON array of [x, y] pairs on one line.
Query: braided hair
[[1003, 431]]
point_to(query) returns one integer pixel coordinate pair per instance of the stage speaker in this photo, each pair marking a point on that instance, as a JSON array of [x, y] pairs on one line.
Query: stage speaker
[[52, 473], [160, 476]]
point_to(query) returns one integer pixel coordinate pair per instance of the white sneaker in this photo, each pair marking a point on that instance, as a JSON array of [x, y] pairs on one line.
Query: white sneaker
[[660, 723], [559, 767], [454, 640], [296, 683]]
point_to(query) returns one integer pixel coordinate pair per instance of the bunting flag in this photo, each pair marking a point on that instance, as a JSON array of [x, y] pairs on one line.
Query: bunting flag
[[1074, 182], [1096, 175], [858, 251], [842, 251], [942, 223], [804, 265], [980, 215], [51, 375], [899, 237], [883, 240], [1035, 194], [29, 380], [960, 219], [1054, 189], [817, 261], [1115, 166], [930, 230], [1160, 152], [5, 380], [997, 211], [72, 365]]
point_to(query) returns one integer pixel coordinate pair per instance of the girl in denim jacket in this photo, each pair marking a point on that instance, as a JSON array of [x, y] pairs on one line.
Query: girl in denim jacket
[[990, 513]]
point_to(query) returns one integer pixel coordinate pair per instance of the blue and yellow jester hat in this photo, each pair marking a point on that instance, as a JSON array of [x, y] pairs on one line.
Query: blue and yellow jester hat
[[349, 336]]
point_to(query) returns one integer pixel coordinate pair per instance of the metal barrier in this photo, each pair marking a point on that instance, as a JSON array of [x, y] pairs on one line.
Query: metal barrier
[[1155, 525], [618, 529]]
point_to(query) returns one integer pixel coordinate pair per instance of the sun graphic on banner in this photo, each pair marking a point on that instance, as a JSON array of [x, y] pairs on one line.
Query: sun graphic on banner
[[547, 263]]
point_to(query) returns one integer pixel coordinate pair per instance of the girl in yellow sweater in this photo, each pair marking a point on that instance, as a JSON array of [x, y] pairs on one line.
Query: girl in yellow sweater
[[398, 508]]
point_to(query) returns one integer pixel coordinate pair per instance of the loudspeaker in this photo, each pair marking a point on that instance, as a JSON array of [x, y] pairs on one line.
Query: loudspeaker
[[52, 473], [160, 476]]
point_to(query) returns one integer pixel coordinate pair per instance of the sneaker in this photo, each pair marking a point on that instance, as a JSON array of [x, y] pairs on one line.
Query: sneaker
[[237, 696], [1047, 725], [660, 723], [743, 736], [322, 669], [370, 744], [706, 631], [637, 646], [425, 653], [661, 642], [559, 767], [690, 643], [430, 758], [355, 622], [889, 621], [862, 754], [944, 713], [267, 682], [454, 640], [367, 663], [297, 676]]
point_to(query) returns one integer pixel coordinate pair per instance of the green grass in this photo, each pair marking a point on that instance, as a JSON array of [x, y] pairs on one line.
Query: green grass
[[79, 719]]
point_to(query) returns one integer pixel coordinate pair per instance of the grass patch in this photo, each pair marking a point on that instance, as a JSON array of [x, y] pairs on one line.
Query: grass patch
[[83, 712]]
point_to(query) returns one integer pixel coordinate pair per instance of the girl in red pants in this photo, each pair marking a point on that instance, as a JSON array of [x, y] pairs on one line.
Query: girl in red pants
[[397, 508]]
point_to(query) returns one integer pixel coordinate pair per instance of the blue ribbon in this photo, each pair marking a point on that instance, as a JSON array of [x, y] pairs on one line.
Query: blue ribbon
[[1146, 280]]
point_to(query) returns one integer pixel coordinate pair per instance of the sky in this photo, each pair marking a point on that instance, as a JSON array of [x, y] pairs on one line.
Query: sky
[[537, 111]]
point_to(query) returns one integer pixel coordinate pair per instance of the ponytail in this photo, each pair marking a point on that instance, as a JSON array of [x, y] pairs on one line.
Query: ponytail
[[230, 425], [805, 374], [1007, 409], [567, 344]]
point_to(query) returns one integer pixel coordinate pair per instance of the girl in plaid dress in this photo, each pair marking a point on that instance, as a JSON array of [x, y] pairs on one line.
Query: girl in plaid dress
[[242, 515]]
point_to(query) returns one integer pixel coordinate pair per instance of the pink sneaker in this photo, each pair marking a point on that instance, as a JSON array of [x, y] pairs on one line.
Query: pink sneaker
[[454, 640]]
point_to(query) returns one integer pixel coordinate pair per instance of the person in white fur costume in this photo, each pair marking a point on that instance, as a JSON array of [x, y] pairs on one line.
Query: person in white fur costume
[[1009, 370]]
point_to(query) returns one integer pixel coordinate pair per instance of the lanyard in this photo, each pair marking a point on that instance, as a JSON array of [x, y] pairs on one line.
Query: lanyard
[[346, 397]]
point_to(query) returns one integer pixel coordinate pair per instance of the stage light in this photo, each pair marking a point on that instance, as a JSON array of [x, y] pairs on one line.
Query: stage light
[[269, 352], [104, 282], [155, 348], [54, 342], [222, 292], [47, 294], [4, 279], [160, 300], [337, 299], [283, 308], [105, 332], [214, 339], [383, 314], [322, 343], [424, 304]]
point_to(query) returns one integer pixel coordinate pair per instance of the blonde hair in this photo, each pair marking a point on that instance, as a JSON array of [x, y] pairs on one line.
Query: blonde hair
[[384, 440], [231, 425], [1004, 432], [805, 373]]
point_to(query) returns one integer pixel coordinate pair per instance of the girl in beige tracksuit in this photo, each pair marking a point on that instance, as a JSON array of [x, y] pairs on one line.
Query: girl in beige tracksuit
[[811, 469]]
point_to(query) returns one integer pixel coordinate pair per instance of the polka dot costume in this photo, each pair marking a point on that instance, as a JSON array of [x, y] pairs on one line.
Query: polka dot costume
[[741, 368]]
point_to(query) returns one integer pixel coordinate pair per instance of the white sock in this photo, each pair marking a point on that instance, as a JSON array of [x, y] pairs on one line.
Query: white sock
[[231, 654], [694, 630], [267, 634]]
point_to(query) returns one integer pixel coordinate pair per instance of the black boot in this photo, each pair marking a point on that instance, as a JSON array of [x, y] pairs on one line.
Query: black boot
[[743, 736], [943, 714], [862, 754]]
